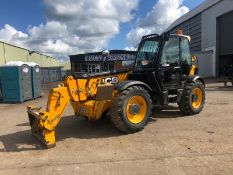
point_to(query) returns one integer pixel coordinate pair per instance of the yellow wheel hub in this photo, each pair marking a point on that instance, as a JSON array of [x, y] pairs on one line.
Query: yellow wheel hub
[[197, 98], [136, 109]]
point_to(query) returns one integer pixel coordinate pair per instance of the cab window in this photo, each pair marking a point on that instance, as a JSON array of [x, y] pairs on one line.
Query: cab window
[[170, 54], [185, 52], [147, 54]]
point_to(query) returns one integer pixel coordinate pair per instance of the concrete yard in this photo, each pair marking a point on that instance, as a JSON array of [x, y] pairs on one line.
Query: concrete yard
[[170, 144]]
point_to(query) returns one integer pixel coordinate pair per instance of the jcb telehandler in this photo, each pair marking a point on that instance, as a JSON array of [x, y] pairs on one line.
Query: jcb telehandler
[[163, 73]]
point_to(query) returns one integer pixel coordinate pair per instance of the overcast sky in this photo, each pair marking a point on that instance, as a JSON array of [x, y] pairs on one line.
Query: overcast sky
[[63, 27]]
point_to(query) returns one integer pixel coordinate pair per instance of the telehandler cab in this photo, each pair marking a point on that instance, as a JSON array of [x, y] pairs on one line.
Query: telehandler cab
[[163, 73]]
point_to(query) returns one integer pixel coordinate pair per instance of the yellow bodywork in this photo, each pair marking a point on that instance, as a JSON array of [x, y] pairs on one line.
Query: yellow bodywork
[[86, 95], [82, 94], [193, 67], [192, 70]]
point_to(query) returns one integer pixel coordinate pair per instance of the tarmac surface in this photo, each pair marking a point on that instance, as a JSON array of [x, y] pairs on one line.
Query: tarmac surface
[[170, 144]]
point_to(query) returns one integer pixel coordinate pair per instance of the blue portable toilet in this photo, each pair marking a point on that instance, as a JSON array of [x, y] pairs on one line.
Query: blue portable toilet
[[16, 83], [36, 81]]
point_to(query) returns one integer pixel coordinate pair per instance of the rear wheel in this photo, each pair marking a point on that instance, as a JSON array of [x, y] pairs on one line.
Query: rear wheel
[[193, 98], [131, 109]]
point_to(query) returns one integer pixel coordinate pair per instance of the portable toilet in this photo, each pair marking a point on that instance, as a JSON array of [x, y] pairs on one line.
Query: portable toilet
[[36, 81], [0, 89], [16, 83]]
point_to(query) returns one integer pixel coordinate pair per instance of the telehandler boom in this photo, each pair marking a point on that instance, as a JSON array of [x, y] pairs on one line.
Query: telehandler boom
[[163, 73]]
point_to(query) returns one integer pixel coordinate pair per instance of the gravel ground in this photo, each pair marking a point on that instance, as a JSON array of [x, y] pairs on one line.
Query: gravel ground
[[170, 144]]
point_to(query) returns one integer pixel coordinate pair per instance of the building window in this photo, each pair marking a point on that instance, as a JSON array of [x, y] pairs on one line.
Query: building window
[[93, 68], [84, 67]]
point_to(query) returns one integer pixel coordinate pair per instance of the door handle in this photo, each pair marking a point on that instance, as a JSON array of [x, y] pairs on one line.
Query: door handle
[[165, 65], [176, 69]]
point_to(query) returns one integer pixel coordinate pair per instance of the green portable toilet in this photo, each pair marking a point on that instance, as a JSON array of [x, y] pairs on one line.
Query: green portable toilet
[[36, 81], [0, 89], [16, 83]]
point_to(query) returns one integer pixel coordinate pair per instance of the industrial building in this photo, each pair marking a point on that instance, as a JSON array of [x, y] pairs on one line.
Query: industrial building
[[92, 62], [210, 26], [9, 52], [52, 70]]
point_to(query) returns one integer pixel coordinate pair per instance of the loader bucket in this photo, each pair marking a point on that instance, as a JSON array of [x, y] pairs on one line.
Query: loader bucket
[[47, 137]]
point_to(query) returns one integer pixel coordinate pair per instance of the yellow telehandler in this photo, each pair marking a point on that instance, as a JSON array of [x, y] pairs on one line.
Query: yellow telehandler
[[163, 73]]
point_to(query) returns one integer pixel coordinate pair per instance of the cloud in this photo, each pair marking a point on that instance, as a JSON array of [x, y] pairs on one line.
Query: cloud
[[130, 48], [10, 34], [163, 13], [74, 26]]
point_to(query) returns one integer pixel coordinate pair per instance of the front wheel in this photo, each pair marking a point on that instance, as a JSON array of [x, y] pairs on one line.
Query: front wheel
[[131, 109], [193, 98]]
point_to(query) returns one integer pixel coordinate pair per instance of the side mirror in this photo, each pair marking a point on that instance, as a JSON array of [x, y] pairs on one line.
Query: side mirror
[[194, 58]]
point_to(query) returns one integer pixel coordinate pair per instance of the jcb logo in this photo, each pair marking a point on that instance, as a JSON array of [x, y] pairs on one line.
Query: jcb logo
[[112, 80]]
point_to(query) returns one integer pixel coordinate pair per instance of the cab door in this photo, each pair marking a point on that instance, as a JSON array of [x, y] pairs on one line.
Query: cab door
[[169, 68], [186, 58]]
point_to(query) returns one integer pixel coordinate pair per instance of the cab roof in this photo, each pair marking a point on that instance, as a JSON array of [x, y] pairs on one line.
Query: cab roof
[[164, 35]]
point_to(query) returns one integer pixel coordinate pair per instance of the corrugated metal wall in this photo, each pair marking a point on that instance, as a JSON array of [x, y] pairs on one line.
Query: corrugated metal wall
[[35, 58], [13, 54], [2, 59], [192, 27], [52, 74]]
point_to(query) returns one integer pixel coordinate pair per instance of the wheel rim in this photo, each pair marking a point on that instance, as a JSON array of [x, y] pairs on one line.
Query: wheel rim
[[197, 98], [136, 109]]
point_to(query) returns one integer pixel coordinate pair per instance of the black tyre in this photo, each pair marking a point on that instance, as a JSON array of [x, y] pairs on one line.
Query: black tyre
[[131, 109], [193, 98]]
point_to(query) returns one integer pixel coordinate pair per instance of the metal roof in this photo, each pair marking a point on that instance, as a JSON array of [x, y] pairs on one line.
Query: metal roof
[[202, 7]]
